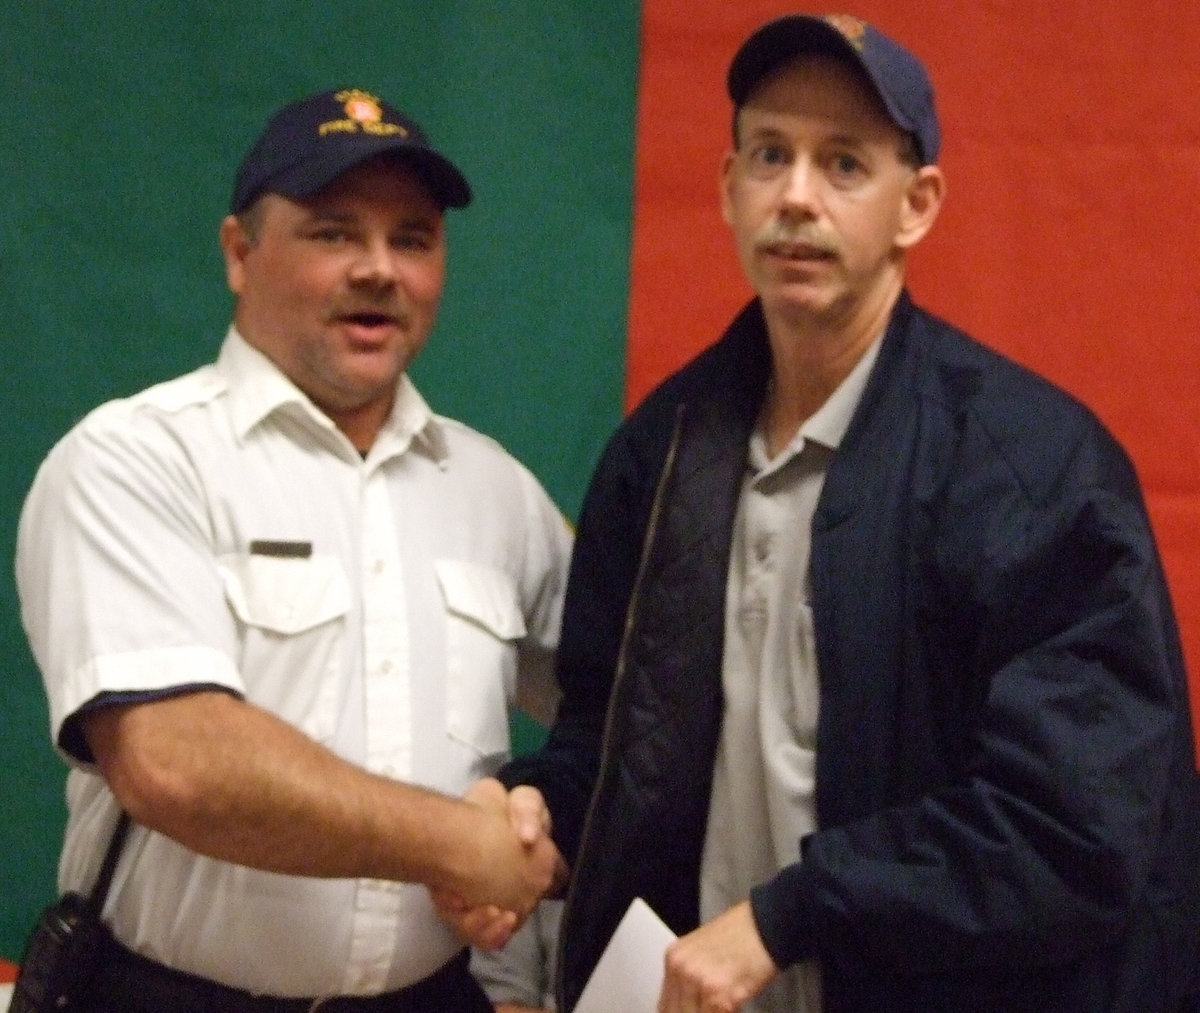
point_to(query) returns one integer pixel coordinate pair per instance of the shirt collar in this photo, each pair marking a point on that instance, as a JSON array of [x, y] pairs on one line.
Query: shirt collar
[[258, 389], [826, 426]]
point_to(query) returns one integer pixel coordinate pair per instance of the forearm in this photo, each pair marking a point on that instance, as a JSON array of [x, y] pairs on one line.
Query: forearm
[[233, 782], [904, 885]]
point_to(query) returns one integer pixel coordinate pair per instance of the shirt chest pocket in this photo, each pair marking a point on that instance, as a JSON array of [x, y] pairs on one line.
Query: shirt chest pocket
[[282, 595], [483, 625], [291, 613]]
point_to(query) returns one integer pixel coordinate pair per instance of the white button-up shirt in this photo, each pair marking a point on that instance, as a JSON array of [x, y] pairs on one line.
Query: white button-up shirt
[[218, 530]]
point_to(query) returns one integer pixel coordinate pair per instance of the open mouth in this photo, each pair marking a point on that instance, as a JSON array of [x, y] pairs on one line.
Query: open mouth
[[798, 251], [369, 320], [367, 327]]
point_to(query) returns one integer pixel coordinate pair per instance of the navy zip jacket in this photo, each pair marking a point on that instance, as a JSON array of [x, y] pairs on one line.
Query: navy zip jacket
[[1007, 795]]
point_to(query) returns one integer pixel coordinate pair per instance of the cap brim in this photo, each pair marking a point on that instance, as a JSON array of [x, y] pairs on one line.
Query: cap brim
[[443, 178]]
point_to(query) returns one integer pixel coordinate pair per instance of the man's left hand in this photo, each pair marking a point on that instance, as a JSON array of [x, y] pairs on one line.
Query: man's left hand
[[718, 967]]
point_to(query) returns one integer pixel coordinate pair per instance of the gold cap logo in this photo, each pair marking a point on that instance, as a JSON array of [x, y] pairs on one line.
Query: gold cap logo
[[360, 106], [364, 114], [851, 28]]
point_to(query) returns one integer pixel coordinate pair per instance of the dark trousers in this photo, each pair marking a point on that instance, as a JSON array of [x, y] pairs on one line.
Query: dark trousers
[[129, 983]]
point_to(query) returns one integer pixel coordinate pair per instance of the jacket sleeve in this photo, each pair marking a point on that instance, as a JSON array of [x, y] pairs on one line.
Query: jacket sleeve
[[1038, 605]]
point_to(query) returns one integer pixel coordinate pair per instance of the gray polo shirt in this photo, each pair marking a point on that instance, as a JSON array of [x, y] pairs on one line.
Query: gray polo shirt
[[763, 797]]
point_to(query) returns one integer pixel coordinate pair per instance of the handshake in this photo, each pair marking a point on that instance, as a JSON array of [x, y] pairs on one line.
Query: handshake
[[508, 863]]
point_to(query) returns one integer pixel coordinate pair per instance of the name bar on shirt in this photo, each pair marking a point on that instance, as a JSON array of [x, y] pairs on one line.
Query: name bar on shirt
[[286, 550]]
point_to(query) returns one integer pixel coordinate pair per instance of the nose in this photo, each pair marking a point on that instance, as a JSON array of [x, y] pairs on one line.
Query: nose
[[375, 264], [798, 190]]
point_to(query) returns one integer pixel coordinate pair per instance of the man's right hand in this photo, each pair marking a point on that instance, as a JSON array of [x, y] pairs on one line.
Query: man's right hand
[[503, 888]]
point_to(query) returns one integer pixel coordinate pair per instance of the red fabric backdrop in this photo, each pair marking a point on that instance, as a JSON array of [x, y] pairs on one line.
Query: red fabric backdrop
[[1072, 149]]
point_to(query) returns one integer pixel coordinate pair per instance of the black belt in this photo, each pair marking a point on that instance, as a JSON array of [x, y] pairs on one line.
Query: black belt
[[131, 983]]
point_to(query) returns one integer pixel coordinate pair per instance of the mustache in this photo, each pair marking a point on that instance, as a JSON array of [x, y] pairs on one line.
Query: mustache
[[781, 233]]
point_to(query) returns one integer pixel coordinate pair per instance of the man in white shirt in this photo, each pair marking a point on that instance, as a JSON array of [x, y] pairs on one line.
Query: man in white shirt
[[280, 608]]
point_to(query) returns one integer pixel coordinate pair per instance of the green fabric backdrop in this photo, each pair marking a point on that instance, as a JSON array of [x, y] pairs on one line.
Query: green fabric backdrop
[[122, 127]]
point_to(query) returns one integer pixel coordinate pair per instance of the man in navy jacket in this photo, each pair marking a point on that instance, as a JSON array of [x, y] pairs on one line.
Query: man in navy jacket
[[872, 687]]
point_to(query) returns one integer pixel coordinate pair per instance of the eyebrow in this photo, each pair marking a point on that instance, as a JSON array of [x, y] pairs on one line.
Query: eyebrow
[[414, 220], [848, 140], [769, 133], [326, 214]]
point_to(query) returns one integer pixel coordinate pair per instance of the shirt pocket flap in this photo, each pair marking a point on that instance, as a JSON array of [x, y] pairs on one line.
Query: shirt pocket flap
[[285, 595], [481, 595]]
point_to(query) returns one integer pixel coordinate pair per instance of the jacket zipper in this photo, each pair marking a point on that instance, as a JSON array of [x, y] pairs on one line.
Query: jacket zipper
[[618, 677]]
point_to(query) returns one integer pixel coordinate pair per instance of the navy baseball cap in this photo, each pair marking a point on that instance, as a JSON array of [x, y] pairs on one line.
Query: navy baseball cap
[[306, 145], [898, 76]]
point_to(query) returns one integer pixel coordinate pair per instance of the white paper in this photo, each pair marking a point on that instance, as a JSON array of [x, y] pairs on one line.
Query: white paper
[[629, 976]]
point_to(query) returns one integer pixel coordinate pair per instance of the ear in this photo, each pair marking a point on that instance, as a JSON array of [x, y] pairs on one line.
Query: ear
[[922, 201], [725, 183], [235, 245]]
